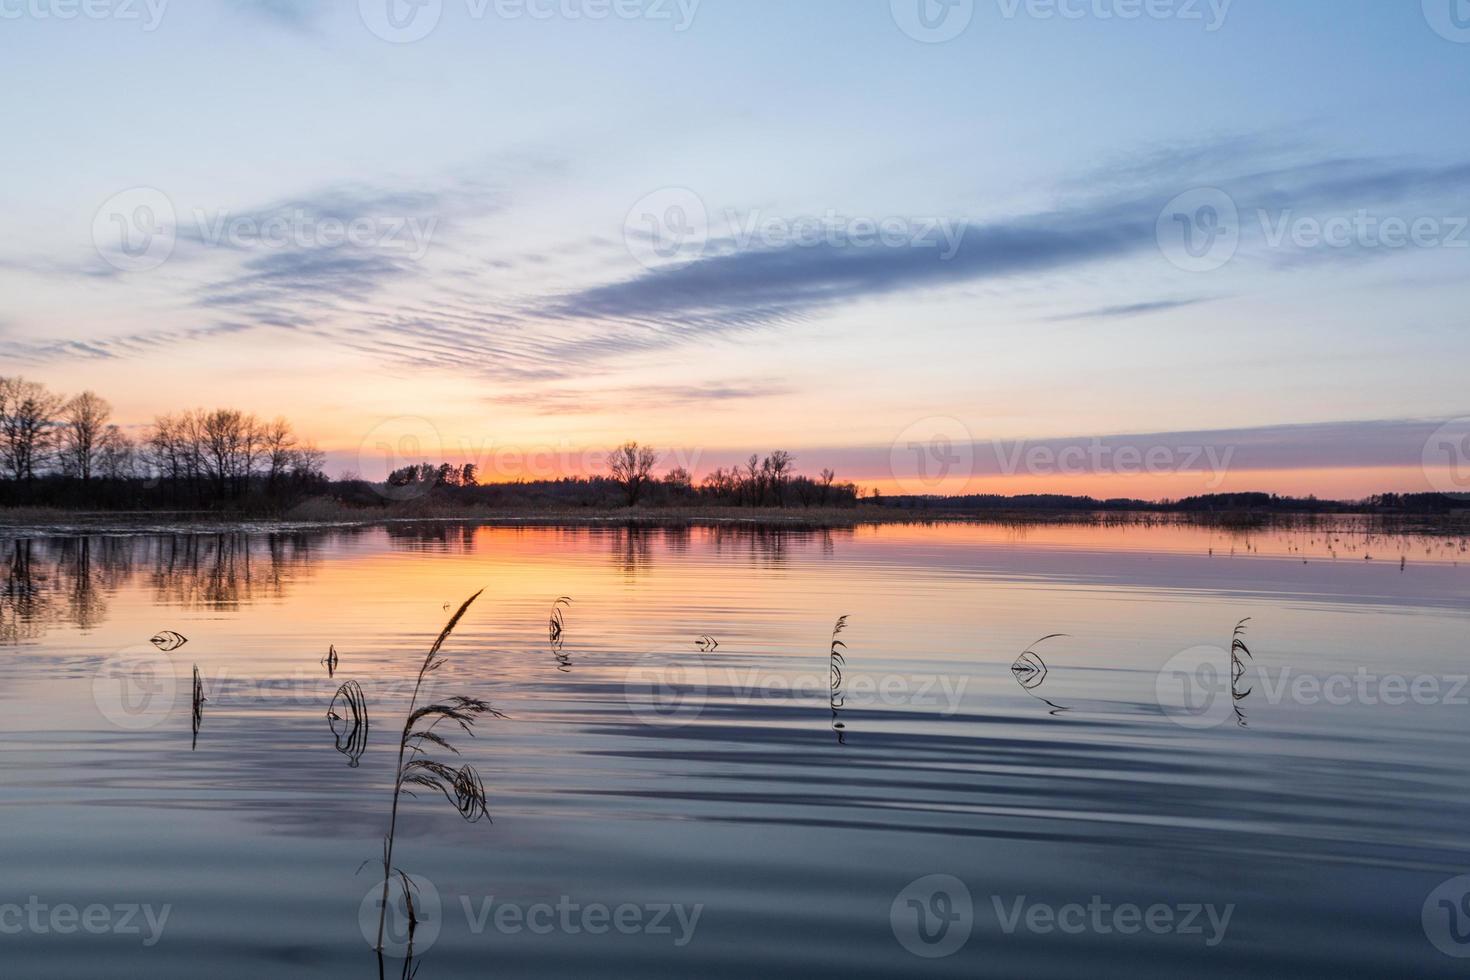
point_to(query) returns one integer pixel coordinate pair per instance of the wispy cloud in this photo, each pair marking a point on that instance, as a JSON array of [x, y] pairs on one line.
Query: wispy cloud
[[1130, 310], [766, 285], [559, 401], [294, 14]]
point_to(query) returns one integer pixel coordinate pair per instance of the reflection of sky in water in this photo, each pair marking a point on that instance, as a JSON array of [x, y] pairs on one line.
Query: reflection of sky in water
[[1326, 824]]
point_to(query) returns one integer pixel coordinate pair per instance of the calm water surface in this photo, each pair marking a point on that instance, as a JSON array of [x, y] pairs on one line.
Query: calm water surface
[[662, 811]]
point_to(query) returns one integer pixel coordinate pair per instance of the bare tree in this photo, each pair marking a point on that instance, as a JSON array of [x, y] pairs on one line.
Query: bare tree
[[116, 455], [778, 467], [754, 488], [83, 422], [630, 465], [28, 419], [278, 448]]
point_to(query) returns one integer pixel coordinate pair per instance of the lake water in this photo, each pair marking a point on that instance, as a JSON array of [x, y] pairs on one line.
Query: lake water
[[667, 807]]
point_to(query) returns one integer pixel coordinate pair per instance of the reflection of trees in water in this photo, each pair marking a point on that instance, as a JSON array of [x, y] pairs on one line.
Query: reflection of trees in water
[[22, 601], [226, 571], [772, 545], [433, 536], [53, 581], [634, 549]]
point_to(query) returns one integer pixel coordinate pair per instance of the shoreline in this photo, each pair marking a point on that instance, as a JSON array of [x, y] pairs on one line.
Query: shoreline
[[51, 522]]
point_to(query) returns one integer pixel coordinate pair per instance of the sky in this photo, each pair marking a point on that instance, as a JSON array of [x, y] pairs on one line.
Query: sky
[[1120, 247]]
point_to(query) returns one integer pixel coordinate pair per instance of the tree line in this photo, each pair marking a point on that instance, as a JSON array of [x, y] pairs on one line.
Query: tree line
[[769, 481], [66, 450]]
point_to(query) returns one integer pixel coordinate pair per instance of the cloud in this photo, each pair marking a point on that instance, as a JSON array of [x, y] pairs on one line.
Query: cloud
[[640, 397], [294, 14], [1130, 310], [1378, 443], [768, 285]]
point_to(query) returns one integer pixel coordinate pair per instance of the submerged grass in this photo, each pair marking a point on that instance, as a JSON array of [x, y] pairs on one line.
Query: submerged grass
[[348, 717], [199, 700], [836, 663]]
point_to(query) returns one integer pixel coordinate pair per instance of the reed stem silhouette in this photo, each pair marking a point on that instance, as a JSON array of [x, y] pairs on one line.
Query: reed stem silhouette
[[462, 787]]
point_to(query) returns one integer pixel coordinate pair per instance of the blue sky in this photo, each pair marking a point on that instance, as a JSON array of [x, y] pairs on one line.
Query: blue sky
[[529, 312]]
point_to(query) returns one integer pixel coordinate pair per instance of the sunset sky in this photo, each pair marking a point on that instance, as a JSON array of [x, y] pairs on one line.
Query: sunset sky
[[738, 225]]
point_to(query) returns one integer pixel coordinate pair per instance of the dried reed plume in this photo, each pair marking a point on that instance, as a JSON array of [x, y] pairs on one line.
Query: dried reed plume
[[461, 787]]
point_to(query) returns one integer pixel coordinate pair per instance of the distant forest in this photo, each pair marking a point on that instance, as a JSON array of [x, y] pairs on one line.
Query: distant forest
[[66, 452]]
